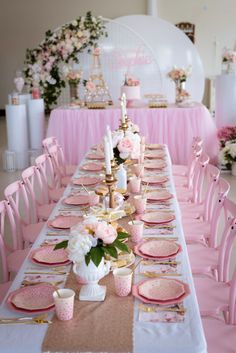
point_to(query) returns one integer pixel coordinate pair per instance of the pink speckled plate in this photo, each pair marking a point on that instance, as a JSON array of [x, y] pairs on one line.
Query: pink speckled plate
[[158, 164], [32, 298], [148, 257], [158, 195], [157, 217], [95, 156], [46, 255], [159, 248], [155, 155], [76, 200], [155, 146], [87, 181], [155, 180], [92, 167], [64, 222], [162, 291]]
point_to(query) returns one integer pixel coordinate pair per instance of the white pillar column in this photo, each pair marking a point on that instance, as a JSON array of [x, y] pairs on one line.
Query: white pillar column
[[152, 8]]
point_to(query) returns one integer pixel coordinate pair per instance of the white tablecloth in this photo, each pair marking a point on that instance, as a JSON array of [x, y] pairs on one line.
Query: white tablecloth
[[183, 337]]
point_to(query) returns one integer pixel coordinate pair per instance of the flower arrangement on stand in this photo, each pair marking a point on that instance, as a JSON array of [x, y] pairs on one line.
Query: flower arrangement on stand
[[126, 145], [227, 156], [87, 247], [228, 59], [179, 77], [43, 64], [226, 133], [73, 77]]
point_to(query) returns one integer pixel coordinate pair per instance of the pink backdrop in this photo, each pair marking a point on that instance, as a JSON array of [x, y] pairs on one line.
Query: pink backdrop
[[78, 129]]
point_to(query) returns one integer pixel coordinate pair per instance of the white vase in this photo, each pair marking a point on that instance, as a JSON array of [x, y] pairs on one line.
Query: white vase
[[233, 169], [91, 274]]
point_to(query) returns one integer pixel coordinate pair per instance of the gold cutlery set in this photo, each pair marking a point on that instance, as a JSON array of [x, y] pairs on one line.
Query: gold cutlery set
[[153, 309], [35, 320]]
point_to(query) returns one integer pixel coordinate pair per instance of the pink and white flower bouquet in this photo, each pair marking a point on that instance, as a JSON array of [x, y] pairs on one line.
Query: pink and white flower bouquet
[[179, 74], [125, 145], [226, 133], [92, 239], [131, 81], [229, 56], [74, 76]]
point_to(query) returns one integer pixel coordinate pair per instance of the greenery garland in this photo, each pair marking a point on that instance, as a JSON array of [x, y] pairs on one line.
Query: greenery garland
[[42, 64]]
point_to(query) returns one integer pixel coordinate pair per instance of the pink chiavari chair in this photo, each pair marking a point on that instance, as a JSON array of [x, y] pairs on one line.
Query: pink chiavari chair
[[203, 232], [225, 332], [52, 191], [184, 170], [56, 161], [21, 208], [5, 283], [203, 210], [35, 188], [65, 170], [10, 256], [193, 193]]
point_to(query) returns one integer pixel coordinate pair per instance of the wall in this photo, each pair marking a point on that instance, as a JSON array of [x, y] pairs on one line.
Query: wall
[[23, 24]]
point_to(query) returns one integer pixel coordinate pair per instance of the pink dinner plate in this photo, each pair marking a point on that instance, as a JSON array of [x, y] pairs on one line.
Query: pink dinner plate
[[155, 155], [158, 195], [92, 167], [46, 255], [166, 291], [159, 164], [87, 181], [64, 222], [76, 200], [95, 156], [155, 179], [35, 298], [155, 146], [159, 248], [149, 257], [157, 217]]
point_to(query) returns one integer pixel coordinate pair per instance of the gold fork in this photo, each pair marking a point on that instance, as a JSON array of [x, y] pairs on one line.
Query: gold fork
[[157, 275], [152, 309]]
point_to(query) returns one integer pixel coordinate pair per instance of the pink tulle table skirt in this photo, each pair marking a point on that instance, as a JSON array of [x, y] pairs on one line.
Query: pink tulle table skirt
[[78, 129]]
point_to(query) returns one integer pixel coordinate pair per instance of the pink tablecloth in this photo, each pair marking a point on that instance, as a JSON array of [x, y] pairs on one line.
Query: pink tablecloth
[[76, 130]]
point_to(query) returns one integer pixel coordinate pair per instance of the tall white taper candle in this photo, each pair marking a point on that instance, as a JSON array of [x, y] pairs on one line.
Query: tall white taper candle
[[109, 136], [107, 155]]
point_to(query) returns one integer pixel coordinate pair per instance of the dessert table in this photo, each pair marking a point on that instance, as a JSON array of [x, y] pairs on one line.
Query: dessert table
[[77, 129], [173, 334]]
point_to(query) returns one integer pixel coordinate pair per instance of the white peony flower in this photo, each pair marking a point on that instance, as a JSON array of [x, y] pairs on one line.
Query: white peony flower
[[79, 245], [74, 23], [117, 137]]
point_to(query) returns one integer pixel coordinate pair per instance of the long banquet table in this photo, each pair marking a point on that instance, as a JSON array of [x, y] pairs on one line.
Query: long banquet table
[[77, 129], [151, 337]]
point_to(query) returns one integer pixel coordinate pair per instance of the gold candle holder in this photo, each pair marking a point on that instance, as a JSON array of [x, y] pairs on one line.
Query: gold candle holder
[[124, 126], [110, 180], [114, 166]]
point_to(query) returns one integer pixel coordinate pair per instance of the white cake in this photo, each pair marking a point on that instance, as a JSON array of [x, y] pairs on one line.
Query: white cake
[[131, 92]]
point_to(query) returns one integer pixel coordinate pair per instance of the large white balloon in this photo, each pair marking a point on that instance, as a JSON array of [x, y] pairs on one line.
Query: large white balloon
[[170, 47], [147, 48]]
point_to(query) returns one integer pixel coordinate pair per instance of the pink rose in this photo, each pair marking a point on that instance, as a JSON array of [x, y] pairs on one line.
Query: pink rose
[[90, 86], [126, 145], [105, 232]]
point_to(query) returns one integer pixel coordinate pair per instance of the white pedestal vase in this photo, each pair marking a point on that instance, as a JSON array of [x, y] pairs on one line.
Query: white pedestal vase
[[17, 133], [91, 274], [36, 120], [233, 169]]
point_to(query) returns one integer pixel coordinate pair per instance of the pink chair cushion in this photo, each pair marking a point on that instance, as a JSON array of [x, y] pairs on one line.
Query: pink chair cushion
[[56, 194], [184, 194], [65, 180], [44, 211], [16, 258], [71, 169], [195, 230], [212, 296], [4, 287], [180, 181], [220, 337], [202, 259], [178, 169], [31, 231]]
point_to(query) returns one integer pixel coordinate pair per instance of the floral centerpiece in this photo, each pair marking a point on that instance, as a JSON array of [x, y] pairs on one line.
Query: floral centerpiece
[[227, 155], [226, 133], [42, 64], [73, 77], [179, 76], [92, 240], [228, 59], [126, 145]]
